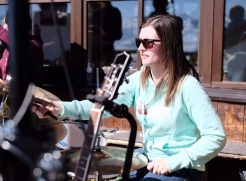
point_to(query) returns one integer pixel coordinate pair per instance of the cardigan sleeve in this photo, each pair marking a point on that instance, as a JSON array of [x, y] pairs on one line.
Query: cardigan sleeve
[[204, 115]]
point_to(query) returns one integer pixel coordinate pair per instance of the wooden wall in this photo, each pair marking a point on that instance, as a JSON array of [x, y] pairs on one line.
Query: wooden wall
[[233, 118], [120, 123]]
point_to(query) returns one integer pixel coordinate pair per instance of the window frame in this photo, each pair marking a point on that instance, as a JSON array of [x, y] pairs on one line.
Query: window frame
[[210, 46], [210, 55]]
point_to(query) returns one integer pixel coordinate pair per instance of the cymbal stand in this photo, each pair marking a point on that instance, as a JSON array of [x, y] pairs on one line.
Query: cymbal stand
[[97, 147], [5, 96], [4, 100], [98, 176]]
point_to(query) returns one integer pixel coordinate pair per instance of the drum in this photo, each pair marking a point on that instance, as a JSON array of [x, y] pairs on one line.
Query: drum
[[68, 134], [113, 177]]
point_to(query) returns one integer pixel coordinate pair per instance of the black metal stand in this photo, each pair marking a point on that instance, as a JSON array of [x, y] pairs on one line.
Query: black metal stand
[[121, 111]]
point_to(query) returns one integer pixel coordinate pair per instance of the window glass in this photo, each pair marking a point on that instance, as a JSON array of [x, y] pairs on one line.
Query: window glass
[[188, 11], [234, 63], [112, 29], [43, 24], [49, 70]]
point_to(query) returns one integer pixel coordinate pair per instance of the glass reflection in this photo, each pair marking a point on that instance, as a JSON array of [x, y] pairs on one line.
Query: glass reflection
[[56, 41], [112, 28], [188, 12], [3, 9], [234, 41], [43, 22], [104, 28]]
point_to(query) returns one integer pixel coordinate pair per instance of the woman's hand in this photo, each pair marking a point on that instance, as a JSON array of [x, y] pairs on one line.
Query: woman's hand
[[44, 106], [158, 166]]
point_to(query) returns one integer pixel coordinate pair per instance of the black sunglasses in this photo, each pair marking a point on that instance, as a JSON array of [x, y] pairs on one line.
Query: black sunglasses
[[147, 43]]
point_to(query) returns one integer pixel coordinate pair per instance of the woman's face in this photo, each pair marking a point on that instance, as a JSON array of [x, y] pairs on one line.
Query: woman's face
[[150, 56]]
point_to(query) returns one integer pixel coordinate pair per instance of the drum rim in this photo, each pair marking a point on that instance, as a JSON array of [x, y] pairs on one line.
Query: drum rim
[[103, 176], [67, 122], [109, 176]]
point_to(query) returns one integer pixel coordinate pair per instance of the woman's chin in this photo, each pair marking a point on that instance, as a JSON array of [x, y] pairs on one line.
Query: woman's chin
[[146, 63]]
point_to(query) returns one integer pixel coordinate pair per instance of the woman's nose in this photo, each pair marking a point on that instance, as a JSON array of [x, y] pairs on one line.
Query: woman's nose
[[141, 47]]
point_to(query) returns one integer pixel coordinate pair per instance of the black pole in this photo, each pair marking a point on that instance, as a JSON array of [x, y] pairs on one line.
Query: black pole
[[19, 160], [20, 64], [20, 68]]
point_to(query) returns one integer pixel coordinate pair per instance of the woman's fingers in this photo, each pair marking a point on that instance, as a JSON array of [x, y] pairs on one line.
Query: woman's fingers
[[42, 112]]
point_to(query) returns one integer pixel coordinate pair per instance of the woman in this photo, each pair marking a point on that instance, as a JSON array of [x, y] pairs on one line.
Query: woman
[[181, 129]]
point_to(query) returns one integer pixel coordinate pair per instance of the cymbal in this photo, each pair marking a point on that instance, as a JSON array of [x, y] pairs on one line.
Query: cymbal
[[38, 94], [110, 160]]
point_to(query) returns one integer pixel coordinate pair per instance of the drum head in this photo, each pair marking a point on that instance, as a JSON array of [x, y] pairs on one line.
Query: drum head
[[68, 134]]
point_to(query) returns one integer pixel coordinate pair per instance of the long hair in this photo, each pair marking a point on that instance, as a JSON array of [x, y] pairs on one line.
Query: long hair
[[169, 30]]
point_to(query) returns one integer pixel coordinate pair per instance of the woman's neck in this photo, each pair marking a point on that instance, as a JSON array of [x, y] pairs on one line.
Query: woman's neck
[[157, 74]]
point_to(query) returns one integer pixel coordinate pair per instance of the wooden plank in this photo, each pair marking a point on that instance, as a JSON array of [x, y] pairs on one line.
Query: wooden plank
[[215, 104], [118, 122], [140, 20], [218, 40], [234, 148], [125, 124], [78, 53], [206, 40], [76, 23], [244, 124], [121, 123], [232, 156], [227, 95], [232, 116], [108, 122], [229, 85], [84, 25]]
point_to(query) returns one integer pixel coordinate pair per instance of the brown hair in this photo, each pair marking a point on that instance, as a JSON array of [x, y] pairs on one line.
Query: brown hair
[[169, 30]]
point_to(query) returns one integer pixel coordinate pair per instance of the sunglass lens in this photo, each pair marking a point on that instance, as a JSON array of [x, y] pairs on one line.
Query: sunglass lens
[[147, 44], [138, 42]]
